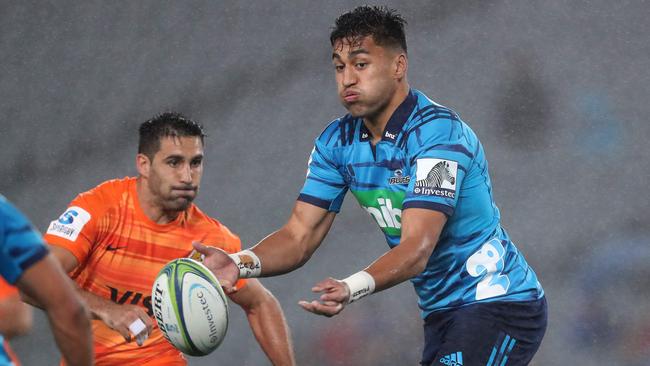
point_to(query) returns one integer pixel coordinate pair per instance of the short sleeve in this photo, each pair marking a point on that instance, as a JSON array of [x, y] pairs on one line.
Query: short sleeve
[[21, 245], [77, 228], [324, 186], [440, 155]]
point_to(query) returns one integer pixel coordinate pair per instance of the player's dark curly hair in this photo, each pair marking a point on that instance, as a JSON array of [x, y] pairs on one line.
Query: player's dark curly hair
[[385, 26], [168, 124]]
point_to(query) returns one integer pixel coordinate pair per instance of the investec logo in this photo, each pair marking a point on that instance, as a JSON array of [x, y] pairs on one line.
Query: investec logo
[[385, 207]]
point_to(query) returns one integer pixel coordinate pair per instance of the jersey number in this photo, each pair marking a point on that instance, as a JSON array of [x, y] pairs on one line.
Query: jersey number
[[488, 262]]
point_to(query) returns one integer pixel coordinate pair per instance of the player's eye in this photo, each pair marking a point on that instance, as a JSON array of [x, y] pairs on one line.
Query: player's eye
[[196, 163], [173, 163], [361, 65], [338, 67]]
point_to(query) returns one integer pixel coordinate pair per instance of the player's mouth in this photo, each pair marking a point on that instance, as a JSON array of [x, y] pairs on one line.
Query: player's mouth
[[350, 96], [184, 191]]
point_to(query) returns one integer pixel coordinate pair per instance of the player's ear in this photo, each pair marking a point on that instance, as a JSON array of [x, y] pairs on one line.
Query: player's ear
[[143, 164], [401, 65]]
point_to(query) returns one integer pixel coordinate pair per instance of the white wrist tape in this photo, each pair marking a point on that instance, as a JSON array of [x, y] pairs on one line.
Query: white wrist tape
[[248, 263], [361, 284]]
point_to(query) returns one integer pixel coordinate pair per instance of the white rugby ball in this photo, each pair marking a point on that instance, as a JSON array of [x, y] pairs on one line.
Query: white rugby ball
[[190, 307]]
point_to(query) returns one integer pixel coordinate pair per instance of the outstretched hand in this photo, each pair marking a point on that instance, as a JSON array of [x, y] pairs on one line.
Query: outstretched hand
[[334, 298], [120, 316], [221, 265]]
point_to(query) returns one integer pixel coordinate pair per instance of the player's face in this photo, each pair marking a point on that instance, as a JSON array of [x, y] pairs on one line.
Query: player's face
[[176, 171], [365, 76]]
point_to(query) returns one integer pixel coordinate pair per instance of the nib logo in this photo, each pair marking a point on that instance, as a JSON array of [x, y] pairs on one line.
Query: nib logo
[[454, 359]]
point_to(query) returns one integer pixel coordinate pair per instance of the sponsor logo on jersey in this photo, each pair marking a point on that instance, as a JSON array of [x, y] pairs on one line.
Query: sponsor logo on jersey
[[385, 207], [454, 359], [390, 135], [131, 297], [70, 223], [436, 177], [399, 178]]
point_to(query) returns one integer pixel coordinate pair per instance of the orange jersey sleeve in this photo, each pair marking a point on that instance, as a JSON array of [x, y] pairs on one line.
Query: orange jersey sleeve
[[7, 290], [77, 228]]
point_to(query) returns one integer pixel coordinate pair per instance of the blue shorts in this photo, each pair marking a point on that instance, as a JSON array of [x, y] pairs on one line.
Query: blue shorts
[[485, 334]]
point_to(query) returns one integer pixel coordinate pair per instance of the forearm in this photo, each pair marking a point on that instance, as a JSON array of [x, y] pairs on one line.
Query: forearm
[[283, 251], [399, 264], [270, 329], [72, 333], [96, 304], [16, 317]]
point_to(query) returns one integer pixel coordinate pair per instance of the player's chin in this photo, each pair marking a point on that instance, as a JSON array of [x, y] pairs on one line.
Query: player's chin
[[355, 109], [180, 203]]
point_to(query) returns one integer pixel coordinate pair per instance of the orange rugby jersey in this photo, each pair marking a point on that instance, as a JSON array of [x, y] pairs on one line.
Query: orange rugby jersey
[[120, 252], [7, 291]]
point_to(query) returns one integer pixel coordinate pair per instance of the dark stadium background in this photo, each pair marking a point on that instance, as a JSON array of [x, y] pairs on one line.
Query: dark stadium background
[[556, 90]]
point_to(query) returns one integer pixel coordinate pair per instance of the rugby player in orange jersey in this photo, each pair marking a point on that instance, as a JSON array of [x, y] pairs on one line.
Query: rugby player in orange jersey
[[115, 238]]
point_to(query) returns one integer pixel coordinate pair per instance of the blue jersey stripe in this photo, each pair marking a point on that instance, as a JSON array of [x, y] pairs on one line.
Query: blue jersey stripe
[[314, 201]]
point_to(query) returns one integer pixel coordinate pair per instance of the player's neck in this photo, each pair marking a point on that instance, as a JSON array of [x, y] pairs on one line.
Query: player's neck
[[151, 208], [377, 123]]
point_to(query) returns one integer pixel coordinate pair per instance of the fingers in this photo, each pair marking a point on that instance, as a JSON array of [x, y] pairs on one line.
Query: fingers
[[130, 321], [328, 308], [333, 290], [203, 249], [142, 315], [325, 285], [124, 332]]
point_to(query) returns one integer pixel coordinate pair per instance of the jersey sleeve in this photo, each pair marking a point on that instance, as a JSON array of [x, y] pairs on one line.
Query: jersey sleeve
[[440, 155], [324, 186], [78, 227], [21, 244], [7, 290]]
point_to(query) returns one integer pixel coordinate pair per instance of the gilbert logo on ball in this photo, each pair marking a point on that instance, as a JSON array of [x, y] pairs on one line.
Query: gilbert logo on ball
[[190, 307]]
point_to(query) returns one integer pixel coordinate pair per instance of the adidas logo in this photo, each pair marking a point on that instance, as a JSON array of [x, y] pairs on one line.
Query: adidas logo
[[454, 359]]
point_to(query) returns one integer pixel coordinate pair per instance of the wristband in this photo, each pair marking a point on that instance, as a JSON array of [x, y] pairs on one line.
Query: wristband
[[248, 263], [361, 284]]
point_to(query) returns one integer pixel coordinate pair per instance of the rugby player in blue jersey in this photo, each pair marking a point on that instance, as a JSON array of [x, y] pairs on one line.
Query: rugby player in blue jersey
[[26, 263], [421, 174]]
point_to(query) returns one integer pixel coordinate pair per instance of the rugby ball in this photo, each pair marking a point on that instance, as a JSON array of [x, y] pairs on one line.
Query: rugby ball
[[190, 307]]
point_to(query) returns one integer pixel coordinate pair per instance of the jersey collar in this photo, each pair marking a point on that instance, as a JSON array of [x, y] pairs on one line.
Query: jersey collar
[[396, 121]]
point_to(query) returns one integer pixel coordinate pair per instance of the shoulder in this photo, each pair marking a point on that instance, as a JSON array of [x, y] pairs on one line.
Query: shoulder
[[10, 215], [105, 196], [213, 232], [204, 222], [107, 192], [338, 132], [432, 122]]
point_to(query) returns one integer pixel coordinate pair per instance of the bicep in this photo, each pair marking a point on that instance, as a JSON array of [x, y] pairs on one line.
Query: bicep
[[422, 227], [310, 223], [65, 257]]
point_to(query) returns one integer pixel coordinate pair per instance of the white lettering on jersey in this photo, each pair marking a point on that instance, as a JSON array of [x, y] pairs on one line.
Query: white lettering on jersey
[[69, 225], [386, 215]]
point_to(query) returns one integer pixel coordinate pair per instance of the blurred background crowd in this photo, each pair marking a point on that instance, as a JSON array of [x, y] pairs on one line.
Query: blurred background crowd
[[556, 90]]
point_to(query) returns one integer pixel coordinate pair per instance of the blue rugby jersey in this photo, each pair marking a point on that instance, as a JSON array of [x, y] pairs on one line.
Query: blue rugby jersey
[[20, 244], [427, 158], [20, 247]]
